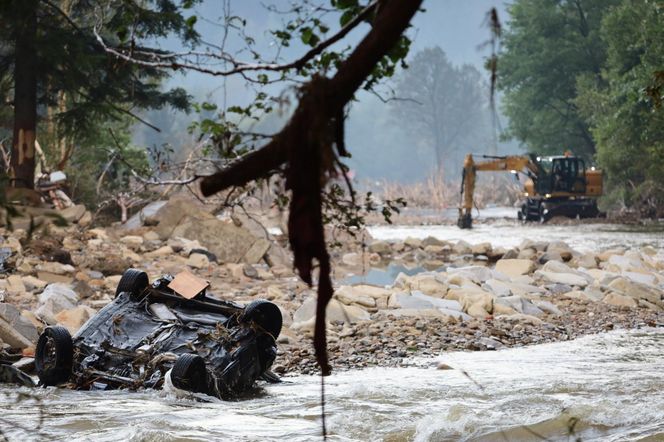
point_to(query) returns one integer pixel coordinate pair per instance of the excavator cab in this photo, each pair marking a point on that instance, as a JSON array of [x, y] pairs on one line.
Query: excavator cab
[[561, 175]]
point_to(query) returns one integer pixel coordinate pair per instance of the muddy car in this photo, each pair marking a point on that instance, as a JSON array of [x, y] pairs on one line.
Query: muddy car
[[168, 329]]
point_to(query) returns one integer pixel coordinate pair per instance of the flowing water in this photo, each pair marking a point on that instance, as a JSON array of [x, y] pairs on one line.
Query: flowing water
[[608, 387]]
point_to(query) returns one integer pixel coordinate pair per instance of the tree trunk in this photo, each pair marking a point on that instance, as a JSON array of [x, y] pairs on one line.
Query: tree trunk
[[22, 167]]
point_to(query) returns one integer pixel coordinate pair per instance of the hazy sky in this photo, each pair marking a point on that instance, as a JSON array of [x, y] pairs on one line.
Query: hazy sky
[[459, 27]]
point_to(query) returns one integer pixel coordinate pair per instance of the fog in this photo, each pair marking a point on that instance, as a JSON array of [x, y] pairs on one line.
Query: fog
[[383, 145]]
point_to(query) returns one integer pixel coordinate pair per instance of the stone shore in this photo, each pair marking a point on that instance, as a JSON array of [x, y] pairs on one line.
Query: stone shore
[[466, 297]]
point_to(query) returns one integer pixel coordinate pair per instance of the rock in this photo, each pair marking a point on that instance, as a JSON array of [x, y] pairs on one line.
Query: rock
[[83, 289], [73, 213], [636, 290], [151, 236], [15, 285], [432, 241], [414, 243], [110, 265], [18, 322], [481, 248], [477, 310], [161, 251], [56, 268], [587, 261], [443, 366], [620, 300], [462, 248], [405, 300], [547, 307], [250, 271], [418, 313], [515, 267], [53, 278], [58, 292], [352, 259], [132, 241], [476, 274], [446, 304], [335, 311], [625, 262], [86, 219], [198, 261], [348, 296], [257, 251], [11, 337], [550, 256], [227, 241], [503, 288], [643, 278], [380, 247], [562, 278], [527, 254], [31, 283], [429, 284], [73, 319], [520, 305], [577, 294], [436, 250]]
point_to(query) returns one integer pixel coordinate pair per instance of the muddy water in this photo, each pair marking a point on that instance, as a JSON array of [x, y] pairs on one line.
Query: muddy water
[[608, 387], [599, 388]]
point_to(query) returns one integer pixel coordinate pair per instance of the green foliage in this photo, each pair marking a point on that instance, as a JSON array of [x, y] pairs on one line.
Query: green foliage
[[623, 109], [548, 46], [77, 78]]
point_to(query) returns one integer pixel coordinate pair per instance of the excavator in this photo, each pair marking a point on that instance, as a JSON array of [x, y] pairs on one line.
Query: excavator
[[554, 186]]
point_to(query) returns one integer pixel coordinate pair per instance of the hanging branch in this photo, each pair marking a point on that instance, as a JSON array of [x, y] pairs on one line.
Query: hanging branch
[[304, 146], [170, 60]]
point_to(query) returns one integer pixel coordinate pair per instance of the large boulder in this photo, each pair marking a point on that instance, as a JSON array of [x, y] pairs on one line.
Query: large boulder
[[562, 278], [515, 267], [636, 290], [335, 311], [73, 319], [20, 323], [54, 299], [227, 241], [350, 295], [620, 300]]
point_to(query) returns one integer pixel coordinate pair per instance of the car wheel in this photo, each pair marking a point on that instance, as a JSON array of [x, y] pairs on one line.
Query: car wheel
[[189, 373], [133, 281], [264, 314], [54, 356]]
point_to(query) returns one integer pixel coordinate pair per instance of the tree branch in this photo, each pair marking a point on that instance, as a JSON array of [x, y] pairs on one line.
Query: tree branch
[[169, 60]]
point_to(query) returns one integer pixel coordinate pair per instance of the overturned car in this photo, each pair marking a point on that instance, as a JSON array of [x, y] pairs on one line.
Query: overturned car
[[168, 330]]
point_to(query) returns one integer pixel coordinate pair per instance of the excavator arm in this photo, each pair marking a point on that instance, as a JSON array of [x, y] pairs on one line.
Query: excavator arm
[[513, 163]]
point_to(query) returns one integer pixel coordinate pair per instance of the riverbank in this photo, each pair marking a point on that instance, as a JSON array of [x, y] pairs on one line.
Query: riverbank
[[423, 296]]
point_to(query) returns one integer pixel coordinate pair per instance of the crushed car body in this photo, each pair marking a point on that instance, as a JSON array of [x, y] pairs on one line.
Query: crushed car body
[[170, 328]]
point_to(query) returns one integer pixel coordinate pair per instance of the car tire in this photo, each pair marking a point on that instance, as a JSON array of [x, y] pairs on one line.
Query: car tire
[[189, 373], [133, 281], [54, 356], [265, 314]]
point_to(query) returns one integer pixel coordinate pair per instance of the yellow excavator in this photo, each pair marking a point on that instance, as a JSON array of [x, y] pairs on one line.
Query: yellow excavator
[[554, 186]]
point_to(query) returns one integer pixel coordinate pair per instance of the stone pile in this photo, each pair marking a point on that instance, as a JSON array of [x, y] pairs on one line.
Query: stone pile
[[465, 296]]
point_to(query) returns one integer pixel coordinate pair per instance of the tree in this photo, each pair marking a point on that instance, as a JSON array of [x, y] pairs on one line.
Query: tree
[[626, 120], [548, 45], [61, 72], [444, 105]]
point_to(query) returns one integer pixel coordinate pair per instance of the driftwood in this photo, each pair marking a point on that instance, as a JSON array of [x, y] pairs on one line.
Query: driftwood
[[304, 146]]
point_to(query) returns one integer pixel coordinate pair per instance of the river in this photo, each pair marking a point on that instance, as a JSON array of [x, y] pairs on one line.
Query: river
[[607, 387]]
